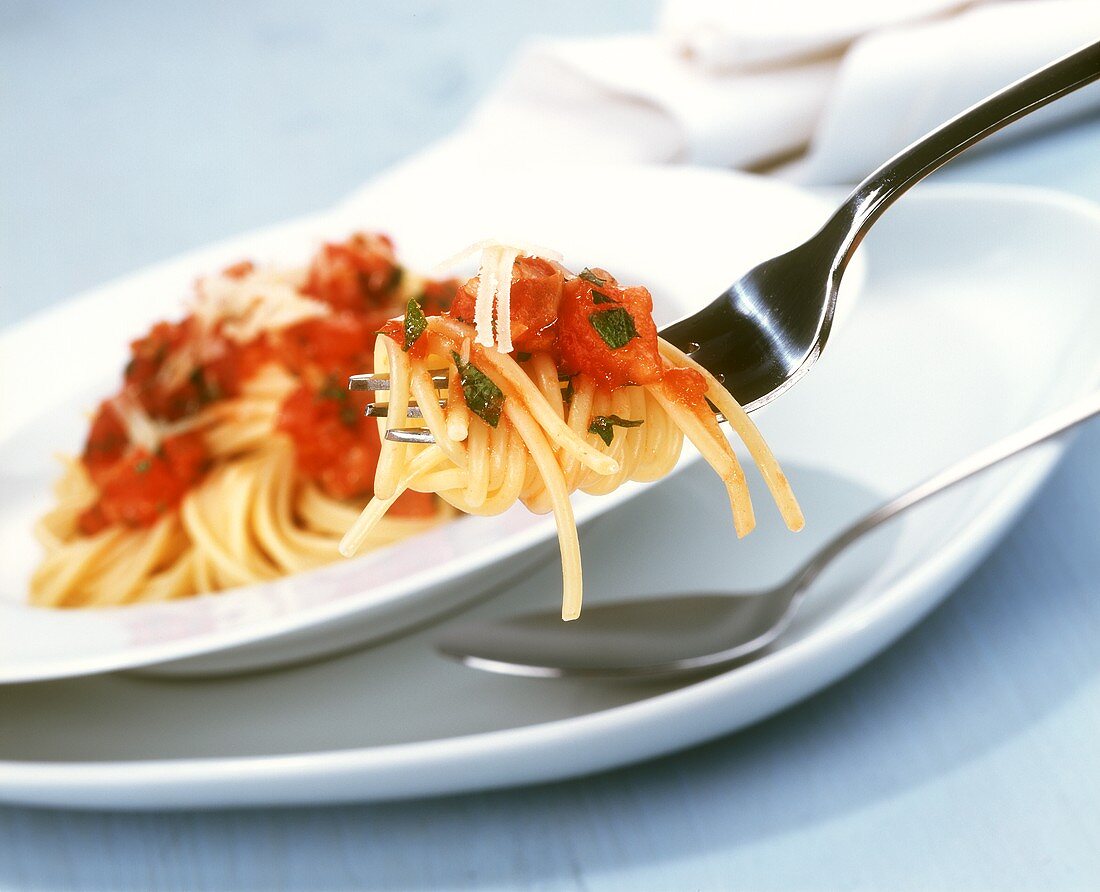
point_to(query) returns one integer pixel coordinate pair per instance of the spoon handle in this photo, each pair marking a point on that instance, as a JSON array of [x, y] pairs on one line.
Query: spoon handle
[[870, 198], [1050, 426]]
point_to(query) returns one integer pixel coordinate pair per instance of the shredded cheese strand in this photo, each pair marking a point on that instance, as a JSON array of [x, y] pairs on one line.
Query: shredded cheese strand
[[494, 286]]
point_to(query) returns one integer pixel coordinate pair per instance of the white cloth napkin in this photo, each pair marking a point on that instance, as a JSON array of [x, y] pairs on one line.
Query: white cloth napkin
[[845, 84]]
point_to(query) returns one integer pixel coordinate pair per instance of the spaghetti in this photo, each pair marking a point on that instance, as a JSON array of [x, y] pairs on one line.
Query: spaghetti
[[573, 391]]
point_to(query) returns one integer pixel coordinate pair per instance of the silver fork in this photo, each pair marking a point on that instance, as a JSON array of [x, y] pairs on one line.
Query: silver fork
[[768, 328]]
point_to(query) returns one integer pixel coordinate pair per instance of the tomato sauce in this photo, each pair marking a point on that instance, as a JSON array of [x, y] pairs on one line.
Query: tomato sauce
[[589, 323], [686, 386], [631, 357], [535, 294], [359, 274], [335, 444], [179, 368], [141, 487], [395, 331]]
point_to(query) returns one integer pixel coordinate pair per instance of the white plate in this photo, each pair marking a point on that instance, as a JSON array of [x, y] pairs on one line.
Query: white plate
[[980, 312], [635, 221]]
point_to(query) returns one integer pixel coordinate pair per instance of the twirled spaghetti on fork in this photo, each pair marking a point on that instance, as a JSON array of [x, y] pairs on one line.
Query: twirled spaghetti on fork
[[554, 382]]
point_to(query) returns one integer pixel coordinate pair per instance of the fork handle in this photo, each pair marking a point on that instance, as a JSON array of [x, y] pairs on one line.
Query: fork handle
[[876, 193]]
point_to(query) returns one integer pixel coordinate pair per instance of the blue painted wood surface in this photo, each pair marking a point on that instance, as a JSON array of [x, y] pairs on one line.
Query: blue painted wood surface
[[964, 757]]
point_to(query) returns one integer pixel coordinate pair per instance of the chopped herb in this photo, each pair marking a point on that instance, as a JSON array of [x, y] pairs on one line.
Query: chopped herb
[[602, 426], [615, 326], [415, 324], [331, 390], [395, 278], [349, 416], [567, 394], [483, 397], [591, 277], [522, 357], [600, 298], [143, 466], [208, 390]]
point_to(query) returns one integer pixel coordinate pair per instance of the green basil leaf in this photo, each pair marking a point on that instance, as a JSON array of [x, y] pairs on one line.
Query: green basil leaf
[[415, 324], [591, 278], [484, 398], [602, 426], [331, 390], [599, 297], [615, 326]]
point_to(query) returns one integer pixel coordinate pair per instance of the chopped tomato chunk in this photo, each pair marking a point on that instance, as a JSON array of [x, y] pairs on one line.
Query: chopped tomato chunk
[[239, 270], [141, 487], [106, 443], [335, 445], [358, 274], [436, 296], [340, 344], [178, 368], [394, 329], [591, 315], [686, 386], [536, 292]]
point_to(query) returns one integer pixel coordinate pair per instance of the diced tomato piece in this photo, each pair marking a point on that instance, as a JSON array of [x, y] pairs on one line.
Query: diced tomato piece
[[239, 270], [220, 375], [584, 349], [147, 356], [436, 296], [536, 292], [140, 488], [106, 443], [394, 329], [686, 386], [186, 456], [357, 274], [331, 344], [92, 521], [335, 445]]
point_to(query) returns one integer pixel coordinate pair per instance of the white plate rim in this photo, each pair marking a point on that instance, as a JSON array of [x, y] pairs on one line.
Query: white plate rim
[[866, 630]]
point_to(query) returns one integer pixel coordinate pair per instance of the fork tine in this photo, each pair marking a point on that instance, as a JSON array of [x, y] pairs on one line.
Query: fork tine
[[382, 410], [382, 382], [410, 435]]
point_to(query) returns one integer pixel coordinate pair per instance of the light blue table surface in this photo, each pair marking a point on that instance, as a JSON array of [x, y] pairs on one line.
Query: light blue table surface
[[967, 756]]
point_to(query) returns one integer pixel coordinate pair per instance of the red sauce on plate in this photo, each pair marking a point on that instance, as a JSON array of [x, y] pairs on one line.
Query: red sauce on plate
[[180, 368]]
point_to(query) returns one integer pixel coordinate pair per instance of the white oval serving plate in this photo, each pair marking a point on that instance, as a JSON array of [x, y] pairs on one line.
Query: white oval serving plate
[[979, 314], [686, 234]]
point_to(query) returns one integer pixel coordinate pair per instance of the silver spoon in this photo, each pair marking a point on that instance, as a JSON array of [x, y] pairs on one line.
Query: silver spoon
[[768, 328], [685, 635]]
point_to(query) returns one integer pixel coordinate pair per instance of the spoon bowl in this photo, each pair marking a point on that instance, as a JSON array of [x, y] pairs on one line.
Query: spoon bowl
[[685, 635]]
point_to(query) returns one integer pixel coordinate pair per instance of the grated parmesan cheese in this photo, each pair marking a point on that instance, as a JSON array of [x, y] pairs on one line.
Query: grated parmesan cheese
[[247, 307], [494, 289], [145, 432]]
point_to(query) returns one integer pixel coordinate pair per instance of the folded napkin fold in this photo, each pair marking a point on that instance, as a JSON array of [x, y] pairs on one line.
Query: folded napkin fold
[[843, 84]]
